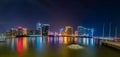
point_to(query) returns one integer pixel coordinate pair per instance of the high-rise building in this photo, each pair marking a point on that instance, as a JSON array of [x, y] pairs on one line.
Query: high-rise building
[[68, 30], [25, 31], [76, 33], [81, 30], [20, 30], [11, 33], [39, 28], [45, 29], [85, 31]]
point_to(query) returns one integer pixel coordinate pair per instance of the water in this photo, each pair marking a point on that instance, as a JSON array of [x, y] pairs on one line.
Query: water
[[54, 47]]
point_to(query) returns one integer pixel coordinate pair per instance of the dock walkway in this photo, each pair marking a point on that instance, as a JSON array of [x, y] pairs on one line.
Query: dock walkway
[[112, 44]]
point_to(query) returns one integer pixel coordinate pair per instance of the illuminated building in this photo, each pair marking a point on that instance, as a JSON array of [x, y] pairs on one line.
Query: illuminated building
[[68, 30], [8, 34], [76, 33], [45, 29], [61, 30], [39, 28], [31, 32], [20, 31], [85, 31], [25, 31], [11, 33], [81, 30]]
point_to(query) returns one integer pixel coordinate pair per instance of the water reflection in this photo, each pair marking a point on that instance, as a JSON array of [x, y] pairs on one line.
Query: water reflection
[[75, 40], [55, 40], [38, 44], [23, 45], [12, 44], [65, 41], [60, 40], [19, 45]]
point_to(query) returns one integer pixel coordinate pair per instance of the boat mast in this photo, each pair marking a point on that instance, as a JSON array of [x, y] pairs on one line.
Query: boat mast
[[109, 30], [115, 33], [103, 30]]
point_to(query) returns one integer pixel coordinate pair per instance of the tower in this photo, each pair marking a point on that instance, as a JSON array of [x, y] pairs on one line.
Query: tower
[[39, 28], [68, 30], [45, 29]]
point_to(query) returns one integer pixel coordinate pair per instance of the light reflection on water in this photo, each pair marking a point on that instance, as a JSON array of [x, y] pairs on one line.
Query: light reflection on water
[[39, 42], [49, 46]]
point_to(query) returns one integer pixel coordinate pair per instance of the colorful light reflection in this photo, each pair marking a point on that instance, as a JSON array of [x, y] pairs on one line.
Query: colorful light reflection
[[60, 40], [12, 44], [75, 40], [65, 40], [38, 43], [25, 43], [19, 45]]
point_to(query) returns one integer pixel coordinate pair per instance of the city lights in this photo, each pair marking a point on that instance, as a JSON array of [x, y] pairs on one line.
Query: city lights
[[59, 28]]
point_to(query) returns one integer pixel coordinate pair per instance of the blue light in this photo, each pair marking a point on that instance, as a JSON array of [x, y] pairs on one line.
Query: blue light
[[92, 42], [84, 40], [38, 44], [12, 44], [61, 30], [92, 31], [55, 40], [79, 41], [87, 41]]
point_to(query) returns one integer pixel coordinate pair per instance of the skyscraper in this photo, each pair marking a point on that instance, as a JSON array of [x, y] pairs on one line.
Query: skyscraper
[[25, 31], [81, 30], [45, 29], [68, 30], [20, 30], [85, 31], [39, 28]]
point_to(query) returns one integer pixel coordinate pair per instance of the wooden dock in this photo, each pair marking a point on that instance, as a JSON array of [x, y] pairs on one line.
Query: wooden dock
[[111, 44]]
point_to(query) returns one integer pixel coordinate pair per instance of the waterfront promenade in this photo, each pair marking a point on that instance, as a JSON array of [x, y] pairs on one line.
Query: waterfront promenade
[[111, 44]]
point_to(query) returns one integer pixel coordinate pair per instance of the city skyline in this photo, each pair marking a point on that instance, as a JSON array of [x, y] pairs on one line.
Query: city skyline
[[110, 32], [92, 13], [59, 28]]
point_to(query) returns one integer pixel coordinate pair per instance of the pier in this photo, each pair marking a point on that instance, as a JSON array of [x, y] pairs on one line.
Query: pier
[[112, 44]]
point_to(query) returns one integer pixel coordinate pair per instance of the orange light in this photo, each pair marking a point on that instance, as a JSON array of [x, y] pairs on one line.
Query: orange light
[[65, 40], [25, 43], [24, 31], [75, 40]]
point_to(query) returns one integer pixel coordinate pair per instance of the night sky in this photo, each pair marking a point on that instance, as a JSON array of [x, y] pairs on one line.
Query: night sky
[[59, 13]]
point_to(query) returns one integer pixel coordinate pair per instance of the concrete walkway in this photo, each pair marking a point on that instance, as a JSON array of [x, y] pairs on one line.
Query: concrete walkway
[[112, 44]]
